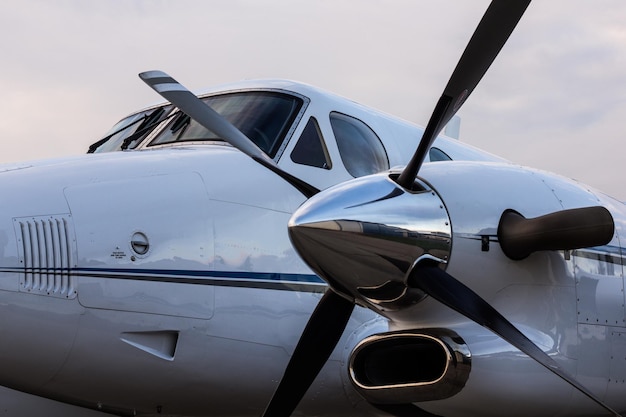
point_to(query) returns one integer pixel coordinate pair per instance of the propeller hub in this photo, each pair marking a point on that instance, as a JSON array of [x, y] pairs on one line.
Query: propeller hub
[[363, 236]]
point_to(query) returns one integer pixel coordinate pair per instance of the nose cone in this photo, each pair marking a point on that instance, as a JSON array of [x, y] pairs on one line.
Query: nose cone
[[363, 236]]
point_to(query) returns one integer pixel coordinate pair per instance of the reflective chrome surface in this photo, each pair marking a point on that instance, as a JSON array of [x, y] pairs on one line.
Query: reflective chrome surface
[[363, 236], [410, 366]]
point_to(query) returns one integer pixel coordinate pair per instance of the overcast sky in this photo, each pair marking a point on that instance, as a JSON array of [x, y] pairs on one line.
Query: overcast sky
[[555, 98]]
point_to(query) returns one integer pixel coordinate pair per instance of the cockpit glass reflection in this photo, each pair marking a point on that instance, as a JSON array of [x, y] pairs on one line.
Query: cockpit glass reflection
[[264, 117]]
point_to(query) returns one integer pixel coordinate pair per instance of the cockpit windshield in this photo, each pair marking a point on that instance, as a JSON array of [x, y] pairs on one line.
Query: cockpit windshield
[[129, 132], [264, 117]]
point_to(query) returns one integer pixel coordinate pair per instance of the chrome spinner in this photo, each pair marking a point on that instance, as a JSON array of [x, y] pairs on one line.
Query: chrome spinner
[[363, 236]]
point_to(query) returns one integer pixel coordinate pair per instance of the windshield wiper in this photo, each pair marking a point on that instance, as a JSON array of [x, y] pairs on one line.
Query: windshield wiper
[[146, 123], [181, 123]]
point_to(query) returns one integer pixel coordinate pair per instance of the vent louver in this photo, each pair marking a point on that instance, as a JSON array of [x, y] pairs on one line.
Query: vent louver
[[47, 250]]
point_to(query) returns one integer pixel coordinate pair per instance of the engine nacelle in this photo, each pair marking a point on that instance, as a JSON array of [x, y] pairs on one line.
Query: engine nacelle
[[410, 366]]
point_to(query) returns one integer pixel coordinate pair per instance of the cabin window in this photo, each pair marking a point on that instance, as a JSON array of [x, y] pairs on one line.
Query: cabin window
[[436, 155], [311, 148], [360, 149], [264, 117]]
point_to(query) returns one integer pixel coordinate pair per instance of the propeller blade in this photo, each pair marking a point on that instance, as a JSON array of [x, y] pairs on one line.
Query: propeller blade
[[319, 338], [447, 290], [490, 36], [564, 230], [191, 105]]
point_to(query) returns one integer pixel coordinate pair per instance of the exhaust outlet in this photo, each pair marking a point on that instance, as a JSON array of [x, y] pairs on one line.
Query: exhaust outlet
[[410, 366]]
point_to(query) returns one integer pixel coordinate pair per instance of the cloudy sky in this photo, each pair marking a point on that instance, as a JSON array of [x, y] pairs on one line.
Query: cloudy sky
[[555, 98]]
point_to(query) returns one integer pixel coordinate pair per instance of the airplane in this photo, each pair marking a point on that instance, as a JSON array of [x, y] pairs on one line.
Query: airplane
[[271, 249]]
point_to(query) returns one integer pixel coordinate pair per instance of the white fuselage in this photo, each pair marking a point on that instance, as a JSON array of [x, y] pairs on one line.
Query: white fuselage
[[211, 310], [162, 280]]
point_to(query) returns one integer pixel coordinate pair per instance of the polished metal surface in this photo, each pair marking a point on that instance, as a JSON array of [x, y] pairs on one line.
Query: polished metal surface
[[363, 236], [410, 366]]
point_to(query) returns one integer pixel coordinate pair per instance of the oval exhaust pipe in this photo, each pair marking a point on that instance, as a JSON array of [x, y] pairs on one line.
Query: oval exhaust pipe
[[410, 366]]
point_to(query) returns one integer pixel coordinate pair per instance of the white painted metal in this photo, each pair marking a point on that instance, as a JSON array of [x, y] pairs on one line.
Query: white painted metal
[[189, 297]]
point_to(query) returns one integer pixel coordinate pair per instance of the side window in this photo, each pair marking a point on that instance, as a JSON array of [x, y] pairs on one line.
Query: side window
[[360, 148], [436, 154], [311, 149]]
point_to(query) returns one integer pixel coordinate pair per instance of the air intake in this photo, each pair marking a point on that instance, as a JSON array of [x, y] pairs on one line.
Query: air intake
[[47, 252]]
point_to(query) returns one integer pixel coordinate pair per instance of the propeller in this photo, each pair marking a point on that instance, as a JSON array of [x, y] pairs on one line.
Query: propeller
[[316, 343], [409, 255], [350, 236], [394, 263], [449, 291], [490, 36], [190, 104], [171, 90]]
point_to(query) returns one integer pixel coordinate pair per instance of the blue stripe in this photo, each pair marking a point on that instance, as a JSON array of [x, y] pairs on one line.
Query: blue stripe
[[267, 280], [230, 275]]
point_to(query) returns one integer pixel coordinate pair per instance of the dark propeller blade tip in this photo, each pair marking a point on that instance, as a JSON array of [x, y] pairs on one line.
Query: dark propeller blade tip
[[449, 291], [318, 340], [490, 36]]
